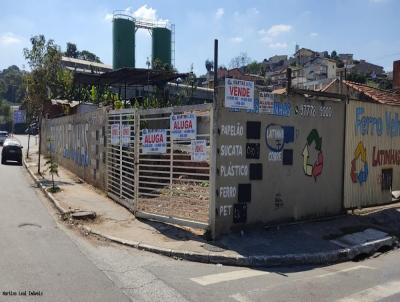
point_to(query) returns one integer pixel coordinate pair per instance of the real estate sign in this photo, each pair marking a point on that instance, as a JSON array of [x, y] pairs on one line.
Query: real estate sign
[[239, 94], [154, 141], [199, 150], [126, 135], [183, 126], [115, 134], [266, 103]]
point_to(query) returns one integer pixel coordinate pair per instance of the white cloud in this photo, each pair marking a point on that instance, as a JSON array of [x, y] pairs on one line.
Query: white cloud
[[278, 45], [269, 35], [108, 17], [144, 12], [219, 13], [313, 35], [237, 39], [276, 30], [9, 39]]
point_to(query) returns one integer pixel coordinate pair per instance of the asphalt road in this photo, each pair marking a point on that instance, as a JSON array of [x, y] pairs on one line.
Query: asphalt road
[[37, 256], [67, 266]]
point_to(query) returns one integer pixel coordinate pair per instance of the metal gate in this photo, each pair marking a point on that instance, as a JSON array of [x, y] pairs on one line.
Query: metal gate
[[121, 156], [171, 185]]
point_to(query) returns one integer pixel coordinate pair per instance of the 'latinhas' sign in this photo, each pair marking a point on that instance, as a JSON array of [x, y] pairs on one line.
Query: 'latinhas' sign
[[154, 141], [239, 94], [183, 126]]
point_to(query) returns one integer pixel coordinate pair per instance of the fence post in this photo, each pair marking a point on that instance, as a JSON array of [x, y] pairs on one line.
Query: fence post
[[136, 150]]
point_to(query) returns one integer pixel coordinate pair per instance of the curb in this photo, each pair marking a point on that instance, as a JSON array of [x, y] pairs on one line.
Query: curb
[[336, 256], [43, 188]]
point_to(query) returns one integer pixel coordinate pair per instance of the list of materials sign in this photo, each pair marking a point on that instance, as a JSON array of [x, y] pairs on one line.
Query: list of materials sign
[[239, 94], [183, 126]]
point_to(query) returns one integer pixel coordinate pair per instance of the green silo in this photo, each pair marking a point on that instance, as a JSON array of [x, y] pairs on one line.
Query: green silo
[[123, 42], [161, 45]]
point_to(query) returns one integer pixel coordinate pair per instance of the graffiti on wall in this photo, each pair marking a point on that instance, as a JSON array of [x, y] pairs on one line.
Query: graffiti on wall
[[77, 147], [360, 156], [377, 125], [276, 137], [385, 157], [71, 142], [314, 169]]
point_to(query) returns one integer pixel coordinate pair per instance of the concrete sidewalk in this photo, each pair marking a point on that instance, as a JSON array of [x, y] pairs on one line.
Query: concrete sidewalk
[[320, 242]]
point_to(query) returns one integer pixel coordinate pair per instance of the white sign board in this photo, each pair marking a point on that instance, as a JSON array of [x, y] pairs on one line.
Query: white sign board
[[239, 94], [154, 141], [266, 103], [199, 150], [183, 126], [115, 134], [126, 135]]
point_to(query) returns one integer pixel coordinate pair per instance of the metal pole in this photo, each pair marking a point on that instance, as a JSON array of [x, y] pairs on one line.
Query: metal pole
[[215, 70], [289, 80]]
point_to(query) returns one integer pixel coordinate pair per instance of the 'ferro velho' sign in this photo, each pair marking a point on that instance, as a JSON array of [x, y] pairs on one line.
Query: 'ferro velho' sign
[[154, 141], [183, 126], [239, 94]]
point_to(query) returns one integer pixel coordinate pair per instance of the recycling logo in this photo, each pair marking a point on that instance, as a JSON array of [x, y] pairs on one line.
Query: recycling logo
[[314, 169], [362, 175]]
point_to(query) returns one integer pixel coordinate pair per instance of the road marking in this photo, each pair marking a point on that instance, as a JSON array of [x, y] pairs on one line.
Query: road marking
[[240, 298], [375, 293], [223, 277], [345, 270]]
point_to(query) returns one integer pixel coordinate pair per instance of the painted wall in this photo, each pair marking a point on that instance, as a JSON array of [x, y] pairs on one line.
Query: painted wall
[[78, 143], [279, 166], [372, 145]]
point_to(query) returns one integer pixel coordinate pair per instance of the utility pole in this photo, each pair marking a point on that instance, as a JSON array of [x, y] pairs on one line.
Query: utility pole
[[215, 70]]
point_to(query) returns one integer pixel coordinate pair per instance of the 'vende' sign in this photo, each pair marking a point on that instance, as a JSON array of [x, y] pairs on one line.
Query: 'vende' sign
[[183, 126], [239, 94], [154, 141]]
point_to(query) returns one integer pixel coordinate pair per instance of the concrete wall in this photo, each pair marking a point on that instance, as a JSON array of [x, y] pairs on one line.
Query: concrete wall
[[78, 143], [296, 169], [372, 145]]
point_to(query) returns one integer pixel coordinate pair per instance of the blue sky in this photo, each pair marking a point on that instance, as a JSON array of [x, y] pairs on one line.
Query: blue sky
[[368, 28]]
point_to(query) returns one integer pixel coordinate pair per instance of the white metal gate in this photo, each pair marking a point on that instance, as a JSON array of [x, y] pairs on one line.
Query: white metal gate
[[121, 156], [171, 185]]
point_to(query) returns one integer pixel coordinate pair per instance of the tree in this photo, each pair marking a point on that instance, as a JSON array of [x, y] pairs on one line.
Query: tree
[[72, 51], [334, 55], [241, 60], [209, 65], [354, 77], [52, 167], [11, 84], [157, 64], [44, 80], [88, 56], [254, 68]]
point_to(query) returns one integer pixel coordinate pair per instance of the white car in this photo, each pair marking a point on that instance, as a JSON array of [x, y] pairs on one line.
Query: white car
[[3, 136]]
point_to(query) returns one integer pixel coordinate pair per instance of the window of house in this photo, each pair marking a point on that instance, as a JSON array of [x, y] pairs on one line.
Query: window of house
[[387, 176]]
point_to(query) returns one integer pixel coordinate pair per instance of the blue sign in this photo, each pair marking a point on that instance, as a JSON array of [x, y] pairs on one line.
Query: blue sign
[[19, 117]]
